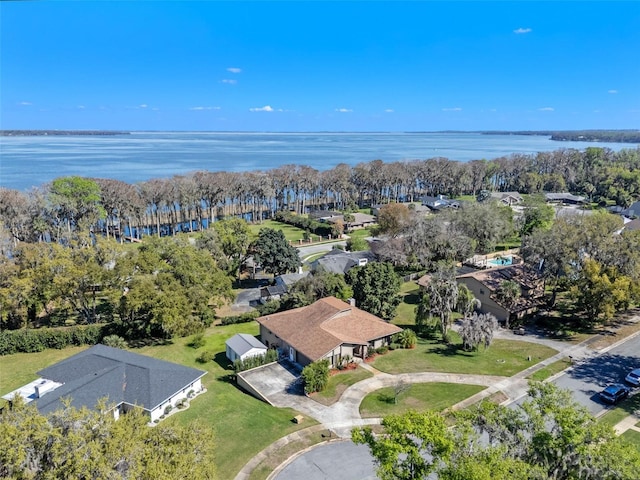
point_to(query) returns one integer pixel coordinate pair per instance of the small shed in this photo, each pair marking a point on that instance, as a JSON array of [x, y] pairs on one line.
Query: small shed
[[242, 346]]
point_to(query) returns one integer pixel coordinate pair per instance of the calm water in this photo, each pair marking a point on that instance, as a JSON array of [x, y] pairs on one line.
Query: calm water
[[33, 161]]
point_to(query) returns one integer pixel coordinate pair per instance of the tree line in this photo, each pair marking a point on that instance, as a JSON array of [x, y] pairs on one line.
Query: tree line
[[193, 201]]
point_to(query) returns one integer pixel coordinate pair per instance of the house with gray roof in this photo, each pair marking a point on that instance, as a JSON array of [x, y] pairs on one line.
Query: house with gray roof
[[242, 346], [633, 211], [564, 198], [126, 379], [339, 261]]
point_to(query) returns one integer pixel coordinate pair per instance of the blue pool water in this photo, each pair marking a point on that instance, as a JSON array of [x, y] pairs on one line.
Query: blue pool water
[[500, 261]]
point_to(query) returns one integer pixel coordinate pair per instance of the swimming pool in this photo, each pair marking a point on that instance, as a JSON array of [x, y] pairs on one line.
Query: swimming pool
[[499, 261]]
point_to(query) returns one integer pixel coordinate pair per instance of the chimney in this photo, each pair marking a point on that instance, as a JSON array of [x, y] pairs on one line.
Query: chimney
[[300, 270], [352, 301]]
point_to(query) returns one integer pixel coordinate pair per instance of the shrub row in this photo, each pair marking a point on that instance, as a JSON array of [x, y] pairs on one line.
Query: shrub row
[[37, 340], [305, 223], [316, 376], [253, 362], [242, 318]]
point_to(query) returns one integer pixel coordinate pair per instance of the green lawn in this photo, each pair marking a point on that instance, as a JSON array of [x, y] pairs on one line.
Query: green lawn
[[360, 233], [419, 396], [19, 369], [243, 425], [631, 437], [621, 411], [291, 233], [405, 314], [550, 370], [504, 357], [338, 383]]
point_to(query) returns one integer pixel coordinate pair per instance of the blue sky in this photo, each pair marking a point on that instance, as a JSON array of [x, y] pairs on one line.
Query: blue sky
[[319, 66]]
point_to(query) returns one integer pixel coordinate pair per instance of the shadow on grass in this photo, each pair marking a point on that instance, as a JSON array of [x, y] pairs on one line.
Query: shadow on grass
[[149, 342], [412, 299], [386, 398], [451, 350], [222, 360]]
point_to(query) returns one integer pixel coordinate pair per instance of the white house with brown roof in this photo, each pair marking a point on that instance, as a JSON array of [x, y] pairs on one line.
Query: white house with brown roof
[[328, 328], [485, 283]]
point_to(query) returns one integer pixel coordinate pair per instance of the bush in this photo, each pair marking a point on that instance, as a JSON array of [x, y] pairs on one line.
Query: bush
[[168, 409], [253, 362], [37, 340], [206, 356], [197, 341], [272, 306], [406, 338], [243, 318], [357, 244], [114, 341], [316, 376], [382, 350], [304, 223]]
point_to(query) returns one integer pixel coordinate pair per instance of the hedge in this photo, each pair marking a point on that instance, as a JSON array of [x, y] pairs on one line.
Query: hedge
[[305, 223], [37, 340], [255, 361], [243, 318]]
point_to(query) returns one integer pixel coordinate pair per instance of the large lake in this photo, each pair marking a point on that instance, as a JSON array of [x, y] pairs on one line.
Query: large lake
[[33, 161]]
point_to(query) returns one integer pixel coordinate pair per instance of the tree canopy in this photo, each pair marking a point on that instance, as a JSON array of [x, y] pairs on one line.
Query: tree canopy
[[375, 288], [550, 437], [274, 253], [86, 444]]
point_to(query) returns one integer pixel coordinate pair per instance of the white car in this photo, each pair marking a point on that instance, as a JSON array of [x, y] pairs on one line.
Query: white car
[[633, 378]]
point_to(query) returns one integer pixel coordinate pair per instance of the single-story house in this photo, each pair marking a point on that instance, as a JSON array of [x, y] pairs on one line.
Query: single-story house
[[633, 211], [272, 292], [507, 198], [242, 346], [287, 280], [440, 202], [126, 379], [485, 283], [632, 225], [360, 220], [339, 261], [328, 328], [564, 198]]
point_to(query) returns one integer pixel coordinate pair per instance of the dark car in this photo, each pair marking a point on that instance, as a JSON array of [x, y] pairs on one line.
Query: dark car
[[614, 393]]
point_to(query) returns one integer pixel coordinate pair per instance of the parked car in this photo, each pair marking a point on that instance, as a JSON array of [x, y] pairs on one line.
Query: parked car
[[614, 393], [633, 378]]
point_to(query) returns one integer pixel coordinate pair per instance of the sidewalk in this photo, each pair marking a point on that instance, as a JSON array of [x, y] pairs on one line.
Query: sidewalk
[[344, 415]]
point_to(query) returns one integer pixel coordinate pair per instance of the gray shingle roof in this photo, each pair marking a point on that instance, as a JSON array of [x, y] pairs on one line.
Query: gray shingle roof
[[122, 376], [242, 343]]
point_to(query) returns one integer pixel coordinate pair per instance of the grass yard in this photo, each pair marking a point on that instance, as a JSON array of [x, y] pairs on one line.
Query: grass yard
[[503, 357], [243, 425], [405, 314], [621, 411], [291, 233], [419, 396], [338, 383], [550, 370], [360, 233], [631, 437], [20, 368]]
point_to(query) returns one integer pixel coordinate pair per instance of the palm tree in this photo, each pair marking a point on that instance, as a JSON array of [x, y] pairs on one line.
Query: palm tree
[[507, 295]]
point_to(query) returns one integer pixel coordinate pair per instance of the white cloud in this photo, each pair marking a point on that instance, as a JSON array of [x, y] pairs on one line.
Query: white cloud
[[234, 69], [454, 109], [229, 81], [344, 110], [26, 104], [388, 110], [266, 108], [613, 91], [520, 31], [143, 105], [80, 107], [546, 109], [204, 108]]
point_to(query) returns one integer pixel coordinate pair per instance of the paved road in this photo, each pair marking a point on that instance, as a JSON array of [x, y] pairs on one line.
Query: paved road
[[592, 374], [305, 252]]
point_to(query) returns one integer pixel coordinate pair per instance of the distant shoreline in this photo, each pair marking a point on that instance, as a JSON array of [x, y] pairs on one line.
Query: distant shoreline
[[45, 133], [605, 136]]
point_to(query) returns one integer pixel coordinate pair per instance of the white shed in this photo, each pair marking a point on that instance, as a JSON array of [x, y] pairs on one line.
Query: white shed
[[242, 346]]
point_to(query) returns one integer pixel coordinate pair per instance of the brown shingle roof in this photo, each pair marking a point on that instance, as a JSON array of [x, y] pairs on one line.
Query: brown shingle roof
[[324, 325]]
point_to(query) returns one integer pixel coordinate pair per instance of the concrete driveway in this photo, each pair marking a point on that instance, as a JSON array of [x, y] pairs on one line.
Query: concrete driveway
[[277, 382]]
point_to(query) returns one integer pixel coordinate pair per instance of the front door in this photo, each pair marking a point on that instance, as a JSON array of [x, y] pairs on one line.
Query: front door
[[292, 354]]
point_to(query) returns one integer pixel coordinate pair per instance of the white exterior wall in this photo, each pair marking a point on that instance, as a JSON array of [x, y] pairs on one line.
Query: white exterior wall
[[173, 401]]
